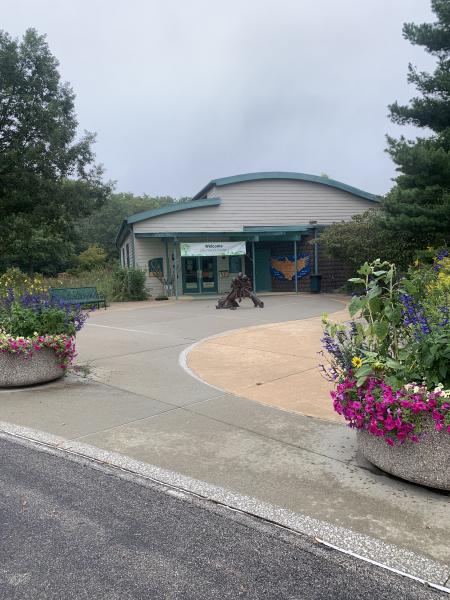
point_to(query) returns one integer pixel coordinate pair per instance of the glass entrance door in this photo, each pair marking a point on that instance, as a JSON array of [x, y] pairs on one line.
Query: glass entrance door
[[190, 275], [208, 268], [199, 274]]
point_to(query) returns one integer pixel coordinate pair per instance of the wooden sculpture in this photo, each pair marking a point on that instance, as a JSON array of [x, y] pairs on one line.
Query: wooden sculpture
[[241, 287]]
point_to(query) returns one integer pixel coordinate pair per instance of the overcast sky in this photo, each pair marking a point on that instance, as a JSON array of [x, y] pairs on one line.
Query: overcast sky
[[184, 91]]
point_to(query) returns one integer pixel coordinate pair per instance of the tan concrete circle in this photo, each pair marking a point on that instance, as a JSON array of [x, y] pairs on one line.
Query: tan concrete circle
[[276, 364]]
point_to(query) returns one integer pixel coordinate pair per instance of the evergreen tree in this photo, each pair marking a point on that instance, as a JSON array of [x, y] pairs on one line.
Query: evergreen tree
[[48, 179], [419, 203]]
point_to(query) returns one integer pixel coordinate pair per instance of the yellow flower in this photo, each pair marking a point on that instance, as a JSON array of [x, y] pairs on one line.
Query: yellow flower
[[356, 362]]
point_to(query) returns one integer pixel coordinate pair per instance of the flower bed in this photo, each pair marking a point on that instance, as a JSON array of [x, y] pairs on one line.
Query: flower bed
[[393, 415], [37, 335], [391, 368], [63, 347]]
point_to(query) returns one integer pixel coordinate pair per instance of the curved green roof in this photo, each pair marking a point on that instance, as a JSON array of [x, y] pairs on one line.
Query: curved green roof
[[286, 175]]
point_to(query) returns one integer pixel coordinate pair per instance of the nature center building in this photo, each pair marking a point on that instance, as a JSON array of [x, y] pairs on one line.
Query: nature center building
[[261, 224]]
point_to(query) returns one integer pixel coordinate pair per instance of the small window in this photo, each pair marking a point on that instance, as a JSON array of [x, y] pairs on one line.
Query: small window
[[123, 256], [155, 267], [127, 249]]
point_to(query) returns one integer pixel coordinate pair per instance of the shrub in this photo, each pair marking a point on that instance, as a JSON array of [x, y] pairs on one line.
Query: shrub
[[129, 284], [366, 238], [94, 256]]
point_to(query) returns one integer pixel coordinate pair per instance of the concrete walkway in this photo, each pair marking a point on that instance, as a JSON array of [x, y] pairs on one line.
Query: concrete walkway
[[139, 402]]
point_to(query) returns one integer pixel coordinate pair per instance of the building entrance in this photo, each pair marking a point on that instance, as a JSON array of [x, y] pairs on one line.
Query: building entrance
[[199, 274]]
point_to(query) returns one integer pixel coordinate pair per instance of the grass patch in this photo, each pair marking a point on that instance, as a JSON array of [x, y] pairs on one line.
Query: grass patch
[[116, 284], [101, 278]]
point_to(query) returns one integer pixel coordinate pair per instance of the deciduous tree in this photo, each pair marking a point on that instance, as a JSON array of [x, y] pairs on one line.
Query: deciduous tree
[[48, 175]]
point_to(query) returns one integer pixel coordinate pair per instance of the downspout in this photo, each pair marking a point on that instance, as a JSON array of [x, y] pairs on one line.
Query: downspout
[[168, 267], [175, 266], [316, 253], [295, 266], [254, 266]]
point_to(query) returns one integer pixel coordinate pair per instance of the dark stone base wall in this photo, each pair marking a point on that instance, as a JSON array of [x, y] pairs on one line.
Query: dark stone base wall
[[334, 273]]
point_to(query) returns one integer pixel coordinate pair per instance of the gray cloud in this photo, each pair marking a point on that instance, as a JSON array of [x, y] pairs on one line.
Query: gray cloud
[[181, 92]]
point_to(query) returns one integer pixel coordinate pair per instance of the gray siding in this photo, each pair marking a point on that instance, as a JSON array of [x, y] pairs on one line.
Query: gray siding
[[263, 203], [147, 249]]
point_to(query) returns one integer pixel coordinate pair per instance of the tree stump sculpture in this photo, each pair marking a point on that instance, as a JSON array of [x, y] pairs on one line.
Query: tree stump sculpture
[[241, 287]]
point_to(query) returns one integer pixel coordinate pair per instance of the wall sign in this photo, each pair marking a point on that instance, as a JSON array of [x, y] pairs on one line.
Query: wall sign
[[212, 248]]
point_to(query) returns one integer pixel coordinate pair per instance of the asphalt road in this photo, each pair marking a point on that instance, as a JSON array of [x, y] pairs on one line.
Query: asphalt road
[[70, 529]]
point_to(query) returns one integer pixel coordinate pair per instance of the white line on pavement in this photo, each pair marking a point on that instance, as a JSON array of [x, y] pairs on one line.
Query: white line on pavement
[[119, 328]]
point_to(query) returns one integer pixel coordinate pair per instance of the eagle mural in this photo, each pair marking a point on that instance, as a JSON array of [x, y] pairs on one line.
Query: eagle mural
[[283, 267]]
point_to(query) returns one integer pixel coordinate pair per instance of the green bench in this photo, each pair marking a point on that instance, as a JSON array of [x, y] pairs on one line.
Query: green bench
[[81, 295]]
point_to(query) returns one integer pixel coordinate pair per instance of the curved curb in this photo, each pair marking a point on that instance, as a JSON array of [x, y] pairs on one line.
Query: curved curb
[[401, 561]]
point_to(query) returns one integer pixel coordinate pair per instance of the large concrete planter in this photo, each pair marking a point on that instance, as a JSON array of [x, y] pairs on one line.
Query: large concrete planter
[[426, 462], [17, 371]]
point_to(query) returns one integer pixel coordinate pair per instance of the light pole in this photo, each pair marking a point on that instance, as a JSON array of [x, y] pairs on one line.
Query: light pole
[[316, 258]]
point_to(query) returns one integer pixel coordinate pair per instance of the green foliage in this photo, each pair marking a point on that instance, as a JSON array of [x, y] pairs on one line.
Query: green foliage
[[102, 225], [94, 256], [420, 201], [28, 323], [129, 284], [49, 179], [20, 283], [114, 283], [380, 312], [402, 331], [366, 238]]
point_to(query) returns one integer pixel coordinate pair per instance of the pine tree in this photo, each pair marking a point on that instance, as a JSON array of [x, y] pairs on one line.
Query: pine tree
[[419, 203]]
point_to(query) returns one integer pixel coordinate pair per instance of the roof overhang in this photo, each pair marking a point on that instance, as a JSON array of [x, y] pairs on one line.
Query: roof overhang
[[249, 234], [124, 229]]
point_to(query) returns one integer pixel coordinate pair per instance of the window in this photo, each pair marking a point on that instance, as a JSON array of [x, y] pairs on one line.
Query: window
[[235, 264], [127, 249], [123, 256], [155, 267]]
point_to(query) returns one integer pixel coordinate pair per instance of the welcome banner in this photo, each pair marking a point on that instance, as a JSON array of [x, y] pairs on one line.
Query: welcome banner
[[212, 248]]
